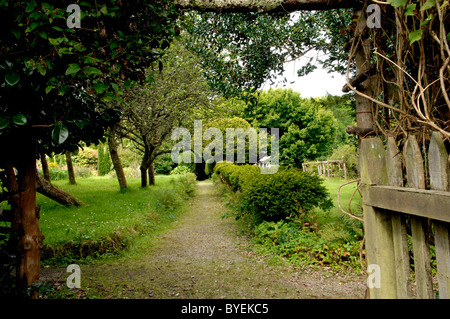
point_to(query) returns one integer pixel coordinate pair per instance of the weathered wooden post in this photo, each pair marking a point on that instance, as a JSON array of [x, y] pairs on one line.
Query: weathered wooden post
[[419, 225], [439, 174], [377, 223], [399, 230]]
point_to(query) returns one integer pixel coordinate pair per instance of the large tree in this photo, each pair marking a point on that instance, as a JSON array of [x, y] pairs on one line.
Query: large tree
[[152, 110], [307, 130], [54, 78]]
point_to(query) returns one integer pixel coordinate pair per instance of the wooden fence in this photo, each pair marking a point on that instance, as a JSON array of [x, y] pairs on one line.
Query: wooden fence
[[398, 211], [327, 168]]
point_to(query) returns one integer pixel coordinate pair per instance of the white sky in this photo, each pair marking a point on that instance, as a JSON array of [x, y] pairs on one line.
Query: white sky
[[316, 84]]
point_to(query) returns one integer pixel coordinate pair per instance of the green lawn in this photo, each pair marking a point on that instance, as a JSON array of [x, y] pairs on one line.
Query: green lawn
[[108, 212], [124, 216], [334, 223]]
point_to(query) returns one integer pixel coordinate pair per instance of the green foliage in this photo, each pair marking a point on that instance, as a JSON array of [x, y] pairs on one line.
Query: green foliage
[[344, 111], [164, 164], [240, 127], [242, 50], [104, 162], [348, 154], [288, 193], [303, 247], [68, 73], [307, 129], [186, 184], [181, 170], [86, 157]]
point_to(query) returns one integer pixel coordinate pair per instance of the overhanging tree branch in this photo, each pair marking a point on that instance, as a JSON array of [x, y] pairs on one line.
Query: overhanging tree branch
[[266, 5]]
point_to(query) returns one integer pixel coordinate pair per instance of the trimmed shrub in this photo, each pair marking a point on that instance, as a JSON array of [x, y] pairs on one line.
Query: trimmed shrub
[[181, 170], [104, 163], [285, 194]]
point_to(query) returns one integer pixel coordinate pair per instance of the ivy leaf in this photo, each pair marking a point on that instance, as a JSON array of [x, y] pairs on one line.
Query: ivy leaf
[[72, 69], [427, 20], [19, 119], [410, 9], [12, 78], [415, 36], [100, 87], [398, 3], [60, 133], [4, 122], [428, 5], [92, 70]]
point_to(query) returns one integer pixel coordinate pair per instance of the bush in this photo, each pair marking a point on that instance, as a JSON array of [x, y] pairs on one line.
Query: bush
[[181, 170], [104, 162], [186, 184], [285, 194], [86, 157], [81, 171], [164, 164], [57, 174], [290, 240]]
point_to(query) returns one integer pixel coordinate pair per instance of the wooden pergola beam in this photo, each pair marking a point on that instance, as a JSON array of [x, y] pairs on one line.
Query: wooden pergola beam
[[266, 5]]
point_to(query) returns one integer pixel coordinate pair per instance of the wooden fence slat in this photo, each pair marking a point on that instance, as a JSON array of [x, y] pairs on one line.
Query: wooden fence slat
[[439, 171], [377, 224], [411, 201], [421, 247], [399, 231]]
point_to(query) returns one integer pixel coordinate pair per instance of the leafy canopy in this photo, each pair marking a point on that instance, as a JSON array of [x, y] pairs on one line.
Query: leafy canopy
[[55, 79], [307, 130]]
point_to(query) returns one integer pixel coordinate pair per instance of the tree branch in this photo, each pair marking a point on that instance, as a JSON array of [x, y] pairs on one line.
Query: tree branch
[[266, 5]]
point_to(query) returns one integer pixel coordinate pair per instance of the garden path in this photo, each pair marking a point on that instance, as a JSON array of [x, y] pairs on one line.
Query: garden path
[[204, 256]]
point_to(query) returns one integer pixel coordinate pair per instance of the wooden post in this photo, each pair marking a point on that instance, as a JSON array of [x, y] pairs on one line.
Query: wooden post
[[399, 231], [439, 173], [419, 225], [377, 223], [328, 169]]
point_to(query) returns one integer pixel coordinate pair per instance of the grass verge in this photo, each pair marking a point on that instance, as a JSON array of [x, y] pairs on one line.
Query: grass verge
[[111, 223]]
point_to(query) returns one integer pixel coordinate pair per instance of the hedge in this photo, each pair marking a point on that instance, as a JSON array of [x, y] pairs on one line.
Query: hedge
[[272, 197]]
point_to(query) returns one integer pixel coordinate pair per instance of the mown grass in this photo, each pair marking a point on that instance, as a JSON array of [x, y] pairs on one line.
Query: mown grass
[[111, 222]]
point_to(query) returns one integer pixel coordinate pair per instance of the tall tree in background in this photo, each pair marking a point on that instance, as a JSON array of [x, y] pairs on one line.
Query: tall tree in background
[[307, 131], [153, 110]]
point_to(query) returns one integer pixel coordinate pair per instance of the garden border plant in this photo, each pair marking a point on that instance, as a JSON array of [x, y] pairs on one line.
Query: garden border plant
[[278, 211]]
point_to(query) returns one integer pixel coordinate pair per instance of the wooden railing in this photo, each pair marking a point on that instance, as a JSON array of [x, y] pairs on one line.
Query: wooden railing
[[398, 211], [327, 168]]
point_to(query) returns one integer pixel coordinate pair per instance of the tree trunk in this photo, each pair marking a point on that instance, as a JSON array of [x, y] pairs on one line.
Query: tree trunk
[[70, 170], [143, 176], [116, 161], [49, 190], [25, 222], [151, 174], [45, 169]]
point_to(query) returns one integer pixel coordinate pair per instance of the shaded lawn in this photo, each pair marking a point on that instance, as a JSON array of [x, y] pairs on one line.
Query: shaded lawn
[[106, 210]]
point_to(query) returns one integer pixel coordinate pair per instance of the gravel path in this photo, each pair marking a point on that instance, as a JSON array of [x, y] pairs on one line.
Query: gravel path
[[203, 256]]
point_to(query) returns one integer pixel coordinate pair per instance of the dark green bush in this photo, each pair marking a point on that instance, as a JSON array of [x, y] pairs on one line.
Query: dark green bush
[[287, 193]]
